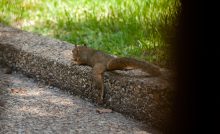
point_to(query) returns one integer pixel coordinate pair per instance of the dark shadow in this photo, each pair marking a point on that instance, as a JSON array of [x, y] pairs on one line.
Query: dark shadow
[[184, 114]]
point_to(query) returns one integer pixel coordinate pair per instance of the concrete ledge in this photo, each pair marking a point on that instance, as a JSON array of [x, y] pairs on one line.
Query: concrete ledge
[[131, 93]]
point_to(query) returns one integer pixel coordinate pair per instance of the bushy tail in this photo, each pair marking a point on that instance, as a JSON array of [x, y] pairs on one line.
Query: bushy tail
[[130, 63]]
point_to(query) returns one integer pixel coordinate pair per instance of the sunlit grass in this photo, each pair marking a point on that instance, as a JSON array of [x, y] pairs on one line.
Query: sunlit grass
[[135, 28]]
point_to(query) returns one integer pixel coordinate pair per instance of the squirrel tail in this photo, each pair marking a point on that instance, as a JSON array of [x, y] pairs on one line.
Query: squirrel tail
[[130, 63]]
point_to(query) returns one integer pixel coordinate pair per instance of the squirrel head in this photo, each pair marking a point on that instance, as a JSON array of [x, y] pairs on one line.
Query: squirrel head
[[77, 54]]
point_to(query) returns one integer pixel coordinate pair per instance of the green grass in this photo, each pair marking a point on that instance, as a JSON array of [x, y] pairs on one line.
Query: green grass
[[134, 28]]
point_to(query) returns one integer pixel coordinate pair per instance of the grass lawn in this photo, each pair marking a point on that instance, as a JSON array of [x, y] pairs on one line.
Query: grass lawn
[[134, 28]]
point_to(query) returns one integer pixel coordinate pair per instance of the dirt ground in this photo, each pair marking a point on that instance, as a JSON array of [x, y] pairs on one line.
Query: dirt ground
[[28, 106]]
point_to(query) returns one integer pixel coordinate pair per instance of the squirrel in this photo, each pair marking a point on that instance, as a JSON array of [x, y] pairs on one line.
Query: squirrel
[[101, 62]]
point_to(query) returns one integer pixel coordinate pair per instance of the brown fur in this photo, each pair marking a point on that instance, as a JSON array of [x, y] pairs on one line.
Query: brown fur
[[102, 62]]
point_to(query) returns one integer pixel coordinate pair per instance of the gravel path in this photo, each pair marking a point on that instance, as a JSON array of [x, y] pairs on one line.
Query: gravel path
[[28, 106]]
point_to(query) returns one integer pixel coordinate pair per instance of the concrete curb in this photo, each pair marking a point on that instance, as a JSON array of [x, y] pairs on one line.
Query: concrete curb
[[145, 98]]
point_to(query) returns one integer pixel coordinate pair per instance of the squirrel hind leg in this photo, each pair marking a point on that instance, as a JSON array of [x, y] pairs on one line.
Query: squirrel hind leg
[[119, 64]]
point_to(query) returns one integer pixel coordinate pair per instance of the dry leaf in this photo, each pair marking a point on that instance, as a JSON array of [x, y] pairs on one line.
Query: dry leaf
[[103, 110]]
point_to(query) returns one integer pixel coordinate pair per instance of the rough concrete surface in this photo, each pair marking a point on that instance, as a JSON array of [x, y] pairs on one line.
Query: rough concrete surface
[[28, 106], [132, 93]]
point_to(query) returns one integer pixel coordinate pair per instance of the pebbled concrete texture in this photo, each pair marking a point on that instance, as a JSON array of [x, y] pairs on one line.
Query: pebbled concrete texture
[[131, 93], [28, 106]]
